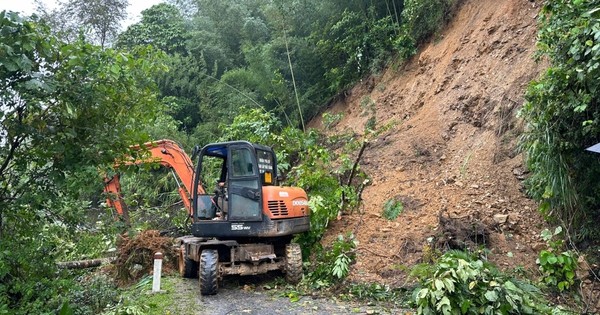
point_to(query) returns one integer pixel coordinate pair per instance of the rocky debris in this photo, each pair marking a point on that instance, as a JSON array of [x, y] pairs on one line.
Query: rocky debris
[[461, 233], [500, 218], [590, 293]]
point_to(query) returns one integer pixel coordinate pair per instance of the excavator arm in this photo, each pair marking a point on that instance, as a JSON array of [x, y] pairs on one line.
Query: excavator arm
[[168, 154]]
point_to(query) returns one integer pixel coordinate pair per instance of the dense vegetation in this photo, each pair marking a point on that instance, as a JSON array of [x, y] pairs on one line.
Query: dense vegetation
[[200, 71], [56, 99], [563, 117], [194, 71]]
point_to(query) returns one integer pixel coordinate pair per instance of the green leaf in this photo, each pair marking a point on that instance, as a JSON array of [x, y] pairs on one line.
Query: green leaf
[[422, 293], [509, 286], [65, 309], [443, 302], [558, 230], [570, 275], [512, 303], [439, 285], [491, 296], [115, 69], [464, 306], [449, 284], [546, 235], [472, 284], [580, 108], [543, 257]]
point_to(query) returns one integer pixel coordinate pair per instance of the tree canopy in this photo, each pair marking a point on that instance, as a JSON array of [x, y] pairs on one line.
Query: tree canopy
[[66, 110]]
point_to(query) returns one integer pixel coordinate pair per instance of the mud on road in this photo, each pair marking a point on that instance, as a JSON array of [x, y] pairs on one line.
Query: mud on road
[[257, 295]]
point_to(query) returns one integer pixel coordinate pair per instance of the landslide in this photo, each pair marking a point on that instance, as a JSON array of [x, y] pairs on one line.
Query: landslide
[[451, 155]]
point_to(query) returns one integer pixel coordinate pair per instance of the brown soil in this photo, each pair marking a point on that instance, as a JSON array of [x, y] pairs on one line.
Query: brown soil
[[451, 155]]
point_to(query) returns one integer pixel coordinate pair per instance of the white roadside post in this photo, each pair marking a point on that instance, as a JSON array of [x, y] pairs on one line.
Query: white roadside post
[[157, 270]]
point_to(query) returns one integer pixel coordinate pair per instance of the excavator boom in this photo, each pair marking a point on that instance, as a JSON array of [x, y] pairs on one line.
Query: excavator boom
[[166, 153]]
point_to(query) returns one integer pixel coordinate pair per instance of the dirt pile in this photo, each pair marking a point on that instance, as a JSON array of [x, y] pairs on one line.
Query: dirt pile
[[451, 156], [136, 256]]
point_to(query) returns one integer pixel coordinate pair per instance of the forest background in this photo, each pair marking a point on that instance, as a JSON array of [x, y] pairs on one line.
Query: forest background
[[76, 92]]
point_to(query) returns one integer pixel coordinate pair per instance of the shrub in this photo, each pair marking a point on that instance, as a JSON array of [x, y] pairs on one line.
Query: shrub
[[333, 264], [424, 18], [392, 209], [561, 112], [95, 293], [558, 268], [460, 283], [373, 292]]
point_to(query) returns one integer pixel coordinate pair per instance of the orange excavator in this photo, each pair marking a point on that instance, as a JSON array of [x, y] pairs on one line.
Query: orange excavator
[[246, 226]]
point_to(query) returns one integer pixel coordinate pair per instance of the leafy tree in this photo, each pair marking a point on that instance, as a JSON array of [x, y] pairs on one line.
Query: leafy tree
[[227, 19], [356, 44], [424, 18], [66, 109], [162, 26], [99, 20], [102, 18], [563, 116]]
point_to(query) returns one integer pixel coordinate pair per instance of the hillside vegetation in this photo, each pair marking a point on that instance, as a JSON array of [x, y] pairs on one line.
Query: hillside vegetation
[[403, 120]]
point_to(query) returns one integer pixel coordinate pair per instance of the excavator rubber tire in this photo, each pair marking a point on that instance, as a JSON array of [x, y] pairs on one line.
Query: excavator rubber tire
[[187, 267], [209, 278], [293, 263]]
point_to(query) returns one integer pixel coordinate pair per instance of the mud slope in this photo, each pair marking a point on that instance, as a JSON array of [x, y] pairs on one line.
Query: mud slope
[[451, 152]]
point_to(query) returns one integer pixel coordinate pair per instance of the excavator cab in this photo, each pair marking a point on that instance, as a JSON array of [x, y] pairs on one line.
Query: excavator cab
[[248, 201], [244, 169]]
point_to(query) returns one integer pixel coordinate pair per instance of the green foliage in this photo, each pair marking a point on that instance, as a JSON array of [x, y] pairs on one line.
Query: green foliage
[[332, 264], [460, 283], [330, 120], [161, 26], [135, 300], [94, 293], [63, 116], [98, 20], [392, 209], [424, 18], [230, 54], [557, 267], [563, 117], [373, 292], [152, 199], [359, 44]]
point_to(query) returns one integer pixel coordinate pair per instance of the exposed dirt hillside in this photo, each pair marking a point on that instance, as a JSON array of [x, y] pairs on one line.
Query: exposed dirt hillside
[[451, 156]]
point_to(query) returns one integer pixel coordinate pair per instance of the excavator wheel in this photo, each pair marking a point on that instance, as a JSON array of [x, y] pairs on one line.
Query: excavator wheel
[[293, 263], [209, 278], [187, 267]]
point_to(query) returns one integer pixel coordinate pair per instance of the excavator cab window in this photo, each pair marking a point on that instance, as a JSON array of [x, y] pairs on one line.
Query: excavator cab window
[[244, 202], [242, 163]]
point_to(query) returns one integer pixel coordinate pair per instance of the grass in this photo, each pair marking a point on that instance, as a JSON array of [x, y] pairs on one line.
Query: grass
[[465, 165], [173, 299]]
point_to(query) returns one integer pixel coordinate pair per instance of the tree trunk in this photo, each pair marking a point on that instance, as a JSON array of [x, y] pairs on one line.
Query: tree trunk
[[82, 264]]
